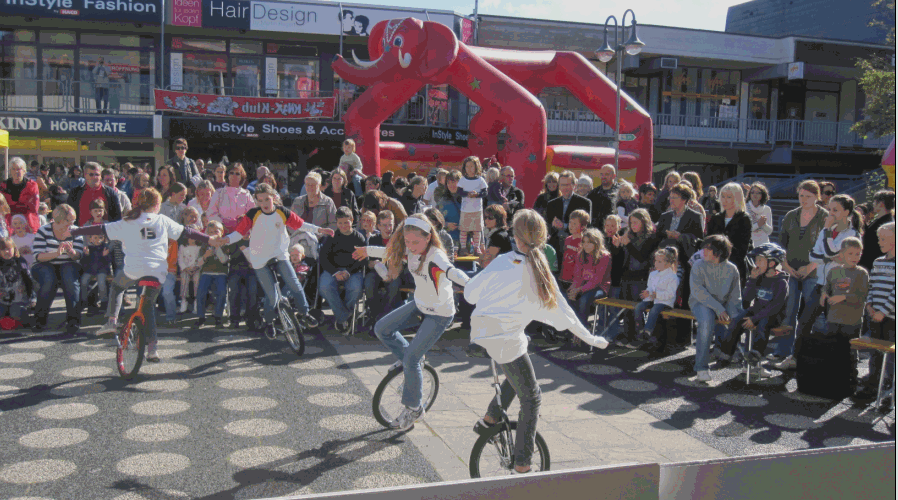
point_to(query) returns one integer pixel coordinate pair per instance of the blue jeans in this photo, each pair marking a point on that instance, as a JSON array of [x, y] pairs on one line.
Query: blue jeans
[[606, 320], [49, 277], [168, 296], [221, 294], [432, 327], [102, 290], [330, 291], [584, 303], [655, 311], [629, 290], [798, 290], [14, 310], [269, 285], [243, 290], [707, 325]]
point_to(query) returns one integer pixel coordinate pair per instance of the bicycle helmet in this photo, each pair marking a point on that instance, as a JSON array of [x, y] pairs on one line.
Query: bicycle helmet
[[771, 251]]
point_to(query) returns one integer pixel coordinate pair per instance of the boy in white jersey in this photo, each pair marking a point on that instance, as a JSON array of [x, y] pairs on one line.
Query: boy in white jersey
[[144, 235], [267, 226]]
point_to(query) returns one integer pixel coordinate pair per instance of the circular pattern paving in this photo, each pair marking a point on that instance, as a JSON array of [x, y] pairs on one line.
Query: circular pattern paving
[[15, 373], [8, 391], [162, 368], [93, 356], [368, 451], [599, 369], [78, 388], [21, 357], [349, 423], [157, 433], [384, 480], [153, 464], [37, 471], [53, 438], [321, 380], [633, 385], [334, 399], [236, 351], [249, 403], [160, 407], [232, 339], [162, 385], [789, 421], [171, 353], [664, 368], [313, 364], [67, 411], [310, 349], [32, 344], [243, 383], [86, 371], [170, 342], [743, 400], [259, 455], [255, 427]]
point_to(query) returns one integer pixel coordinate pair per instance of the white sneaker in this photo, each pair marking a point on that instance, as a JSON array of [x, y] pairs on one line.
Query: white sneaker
[[704, 376], [183, 308], [786, 364], [406, 420], [110, 327], [759, 370]]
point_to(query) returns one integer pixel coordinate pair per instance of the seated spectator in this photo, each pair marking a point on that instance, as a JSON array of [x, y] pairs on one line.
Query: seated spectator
[[715, 296], [376, 201], [497, 239], [578, 222], [57, 254], [96, 263], [592, 274], [23, 238], [15, 282], [647, 194], [764, 306], [377, 307], [447, 202], [412, 197], [214, 270], [338, 266], [549, 193], [368, 225], [584, 185], [315, 207], [881, 310], [659, 295], [625, 201]]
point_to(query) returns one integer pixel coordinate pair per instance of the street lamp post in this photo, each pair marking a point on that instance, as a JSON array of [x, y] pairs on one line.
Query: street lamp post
[[632, 47]]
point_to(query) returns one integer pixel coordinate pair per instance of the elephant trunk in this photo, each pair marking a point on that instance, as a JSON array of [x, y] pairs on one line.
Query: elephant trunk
[[366, 73]]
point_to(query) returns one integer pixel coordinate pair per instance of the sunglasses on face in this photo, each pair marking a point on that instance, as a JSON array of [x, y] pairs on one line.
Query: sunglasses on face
[[181, 149], [829, 193]]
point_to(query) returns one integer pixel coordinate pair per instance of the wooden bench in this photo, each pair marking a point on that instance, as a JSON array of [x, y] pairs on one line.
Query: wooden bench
[[631, 305], [886, 347]]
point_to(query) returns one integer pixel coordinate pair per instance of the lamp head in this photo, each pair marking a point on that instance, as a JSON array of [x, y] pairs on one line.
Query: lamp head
[[634, 45]]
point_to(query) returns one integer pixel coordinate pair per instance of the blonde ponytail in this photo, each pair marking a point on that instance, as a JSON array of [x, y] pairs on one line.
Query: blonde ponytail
[[530, 233]]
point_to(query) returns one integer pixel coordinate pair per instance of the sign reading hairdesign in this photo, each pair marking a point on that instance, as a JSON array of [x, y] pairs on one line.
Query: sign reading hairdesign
[[69, 125], [292, 17], [133, 11]]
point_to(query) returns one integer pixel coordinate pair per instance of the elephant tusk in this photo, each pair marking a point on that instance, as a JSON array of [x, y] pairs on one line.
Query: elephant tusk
[[364, 64], [405, 60]]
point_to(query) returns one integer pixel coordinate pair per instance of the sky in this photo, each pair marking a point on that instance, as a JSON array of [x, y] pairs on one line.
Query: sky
[[698, 14]]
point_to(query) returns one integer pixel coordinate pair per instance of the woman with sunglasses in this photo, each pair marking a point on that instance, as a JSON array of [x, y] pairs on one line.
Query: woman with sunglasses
[[231, 202], [186, 171]]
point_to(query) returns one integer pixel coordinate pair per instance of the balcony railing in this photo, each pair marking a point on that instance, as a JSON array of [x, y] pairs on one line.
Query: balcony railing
[[67, 96]]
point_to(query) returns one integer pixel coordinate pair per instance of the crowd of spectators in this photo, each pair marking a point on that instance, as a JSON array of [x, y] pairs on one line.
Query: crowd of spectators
[[680, 246]]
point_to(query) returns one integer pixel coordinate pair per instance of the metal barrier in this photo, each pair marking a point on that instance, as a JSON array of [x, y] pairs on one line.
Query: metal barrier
[[72, 96]]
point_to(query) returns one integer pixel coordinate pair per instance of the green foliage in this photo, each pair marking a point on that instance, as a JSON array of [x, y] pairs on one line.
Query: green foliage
[[878, 81]]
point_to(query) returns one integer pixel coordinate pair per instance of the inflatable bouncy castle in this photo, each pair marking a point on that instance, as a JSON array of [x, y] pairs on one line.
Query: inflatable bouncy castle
[[409, 54]]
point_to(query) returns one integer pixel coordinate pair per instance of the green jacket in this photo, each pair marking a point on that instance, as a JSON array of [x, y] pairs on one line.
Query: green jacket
[[798, 249]]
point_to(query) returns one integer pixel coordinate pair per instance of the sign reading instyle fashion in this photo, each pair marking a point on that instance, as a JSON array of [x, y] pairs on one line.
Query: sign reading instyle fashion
[[293, 17], [78, 126], [244, 107], [132, 11]]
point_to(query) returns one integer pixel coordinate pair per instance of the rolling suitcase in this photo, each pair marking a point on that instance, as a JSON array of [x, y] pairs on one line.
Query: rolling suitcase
[[825, 367]]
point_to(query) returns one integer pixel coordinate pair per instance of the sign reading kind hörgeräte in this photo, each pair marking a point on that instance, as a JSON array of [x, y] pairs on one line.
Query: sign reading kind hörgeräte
[[133, 11], [290, 17], [77, 125]]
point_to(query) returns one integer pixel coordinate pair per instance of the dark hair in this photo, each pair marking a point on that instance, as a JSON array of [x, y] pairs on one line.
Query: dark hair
[[683, 191], [826, 184], [765, 195], [180, 141], [886, 197], [497, 212], [400, 184], [810, 186], [344, 213], [847, 203], [696, 182], [436, 218], [97, 203], [719, 245], [648, 186], [373, 179]]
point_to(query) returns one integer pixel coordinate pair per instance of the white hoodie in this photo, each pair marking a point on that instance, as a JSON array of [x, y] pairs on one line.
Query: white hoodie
[[506, 301], [433, 280]]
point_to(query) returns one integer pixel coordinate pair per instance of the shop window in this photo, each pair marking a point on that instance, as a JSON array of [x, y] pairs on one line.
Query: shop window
[[18, 71], [702, 97], [346, 93], [246, 76], [188, 44], [16, 36], [300, 78], [130, 81], [759, 94], [204, 73], [117, 40], [241, 47], [57, 37], [58, 79]]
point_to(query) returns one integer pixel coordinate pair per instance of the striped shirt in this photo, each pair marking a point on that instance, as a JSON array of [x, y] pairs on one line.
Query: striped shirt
[[882, 286], [46, 242]]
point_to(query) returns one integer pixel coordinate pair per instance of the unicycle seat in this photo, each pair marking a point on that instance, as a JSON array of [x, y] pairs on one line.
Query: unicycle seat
[[149, 281]]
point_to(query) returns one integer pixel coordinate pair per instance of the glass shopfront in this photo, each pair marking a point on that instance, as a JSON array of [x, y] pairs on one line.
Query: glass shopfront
[[702, 93]]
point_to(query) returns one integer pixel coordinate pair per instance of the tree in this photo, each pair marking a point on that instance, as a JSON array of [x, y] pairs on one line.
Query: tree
[[878, 80]]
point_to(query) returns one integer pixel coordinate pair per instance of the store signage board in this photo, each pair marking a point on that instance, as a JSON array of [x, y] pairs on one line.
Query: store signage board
[[292, 17], [245, 107], [795, 71], [294, 130], [131, 11], [74, 125]]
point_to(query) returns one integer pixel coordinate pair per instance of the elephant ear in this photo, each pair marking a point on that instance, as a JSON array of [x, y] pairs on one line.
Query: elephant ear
[[375, 40], [440, 49]]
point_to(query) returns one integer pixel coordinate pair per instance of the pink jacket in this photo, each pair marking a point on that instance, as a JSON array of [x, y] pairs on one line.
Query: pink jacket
[[590, 275], [229, 204]]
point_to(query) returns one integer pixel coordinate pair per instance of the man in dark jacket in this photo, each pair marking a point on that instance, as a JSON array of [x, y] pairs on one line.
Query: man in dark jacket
[[559, 210], [186, 171], [883, 204], [513, 194], [604, 196], [93, 189]]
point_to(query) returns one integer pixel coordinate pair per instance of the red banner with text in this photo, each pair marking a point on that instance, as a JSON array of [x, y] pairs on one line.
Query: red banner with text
[[245, 107]]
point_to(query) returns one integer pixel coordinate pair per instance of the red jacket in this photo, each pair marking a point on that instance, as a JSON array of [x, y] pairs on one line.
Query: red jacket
[[28, 204]]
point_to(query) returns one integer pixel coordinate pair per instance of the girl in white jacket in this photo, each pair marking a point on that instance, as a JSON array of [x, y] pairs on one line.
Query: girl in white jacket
[[760, 214], [514, 290], [416, 242], [661, 292]]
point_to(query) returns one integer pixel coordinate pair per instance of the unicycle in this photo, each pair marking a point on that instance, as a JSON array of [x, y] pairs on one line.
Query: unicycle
[[387, 401], [132, 341], [493, 452]]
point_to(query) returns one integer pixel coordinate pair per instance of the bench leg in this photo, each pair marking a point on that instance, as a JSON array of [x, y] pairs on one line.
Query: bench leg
[[882, 378], [595, 320], [748, 333]]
